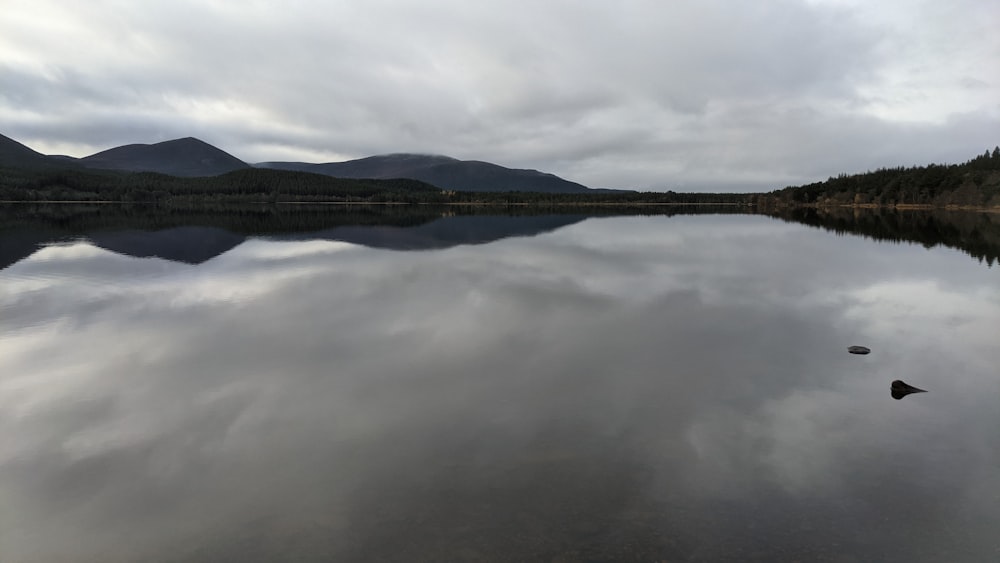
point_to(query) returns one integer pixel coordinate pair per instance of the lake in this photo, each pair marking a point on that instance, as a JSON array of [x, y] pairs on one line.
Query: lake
[[496, 388]]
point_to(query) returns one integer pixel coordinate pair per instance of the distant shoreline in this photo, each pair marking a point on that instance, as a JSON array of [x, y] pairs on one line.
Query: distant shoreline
[[896, 207], [500, 204]]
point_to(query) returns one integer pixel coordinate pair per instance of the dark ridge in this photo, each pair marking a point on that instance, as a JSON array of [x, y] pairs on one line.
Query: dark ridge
[[16, 155], [444, 172], [187, 157]]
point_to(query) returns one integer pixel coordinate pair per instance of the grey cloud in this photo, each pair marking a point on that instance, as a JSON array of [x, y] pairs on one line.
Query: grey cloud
[[694, 95]]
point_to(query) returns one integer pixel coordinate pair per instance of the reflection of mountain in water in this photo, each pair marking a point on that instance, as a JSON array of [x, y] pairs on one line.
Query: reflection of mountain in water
[[196, 244], [442, 233], [192, 245], [196, 235]]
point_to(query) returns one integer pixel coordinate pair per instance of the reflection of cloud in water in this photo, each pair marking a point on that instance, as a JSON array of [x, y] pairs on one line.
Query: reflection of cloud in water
[[561, 396], [263, 251]]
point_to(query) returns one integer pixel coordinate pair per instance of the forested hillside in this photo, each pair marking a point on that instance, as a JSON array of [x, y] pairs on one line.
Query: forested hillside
[[269, 185], [242, 185], [975, 183]]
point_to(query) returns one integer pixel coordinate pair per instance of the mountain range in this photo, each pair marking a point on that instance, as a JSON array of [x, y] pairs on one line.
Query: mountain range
[[190, 157]]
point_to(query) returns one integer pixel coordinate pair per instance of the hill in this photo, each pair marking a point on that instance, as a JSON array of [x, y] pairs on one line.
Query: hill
[[444, 172], [188, 157], [973, 184], [14, 154]]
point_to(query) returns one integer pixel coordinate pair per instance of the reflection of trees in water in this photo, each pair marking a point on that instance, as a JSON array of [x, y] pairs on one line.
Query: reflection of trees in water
[[263, 219], [244, 219], [975, 233]]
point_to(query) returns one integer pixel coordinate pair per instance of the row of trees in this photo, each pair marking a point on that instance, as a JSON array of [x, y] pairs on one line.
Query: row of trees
[[238, 186], [975, 183], [268, 185]]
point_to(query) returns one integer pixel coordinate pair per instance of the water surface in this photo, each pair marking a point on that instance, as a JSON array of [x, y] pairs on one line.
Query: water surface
[[591, 389]]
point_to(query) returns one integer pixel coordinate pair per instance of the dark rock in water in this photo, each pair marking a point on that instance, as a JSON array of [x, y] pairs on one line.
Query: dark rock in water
[[858, 350], [900, 389]]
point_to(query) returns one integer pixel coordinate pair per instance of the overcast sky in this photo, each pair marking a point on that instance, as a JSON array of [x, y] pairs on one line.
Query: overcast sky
[[687, 95]]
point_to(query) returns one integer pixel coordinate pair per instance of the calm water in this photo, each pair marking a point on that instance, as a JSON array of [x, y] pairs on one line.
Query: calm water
[[603, 389]]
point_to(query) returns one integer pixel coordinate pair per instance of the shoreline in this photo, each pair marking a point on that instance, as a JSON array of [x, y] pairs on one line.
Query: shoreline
[[498, 204]]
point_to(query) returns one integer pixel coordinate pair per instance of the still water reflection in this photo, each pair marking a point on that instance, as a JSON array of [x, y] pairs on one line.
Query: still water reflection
[[631, 389]]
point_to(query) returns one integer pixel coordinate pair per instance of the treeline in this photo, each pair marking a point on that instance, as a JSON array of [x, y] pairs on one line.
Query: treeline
[[595, 198], [256, 185], [263, 219], [973, 184], [271, 186], [77, 219]]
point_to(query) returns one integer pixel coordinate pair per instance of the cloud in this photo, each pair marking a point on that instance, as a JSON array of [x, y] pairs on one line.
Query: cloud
[[690, 95]]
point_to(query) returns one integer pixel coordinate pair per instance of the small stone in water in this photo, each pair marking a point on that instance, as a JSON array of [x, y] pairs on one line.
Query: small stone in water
[[858, 350], [900, 389]]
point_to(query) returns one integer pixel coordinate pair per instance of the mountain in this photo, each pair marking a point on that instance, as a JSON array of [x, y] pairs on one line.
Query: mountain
[[181, 157], [444, 172], [190, 157], [16, 155]]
